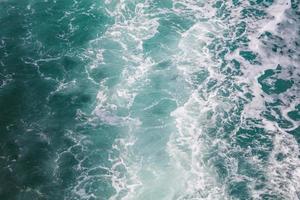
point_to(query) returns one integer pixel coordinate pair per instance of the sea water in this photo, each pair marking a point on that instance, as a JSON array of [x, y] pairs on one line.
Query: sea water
[[149, 99]]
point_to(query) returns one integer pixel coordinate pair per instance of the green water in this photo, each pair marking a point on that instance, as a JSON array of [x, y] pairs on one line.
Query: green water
[[149, 99]]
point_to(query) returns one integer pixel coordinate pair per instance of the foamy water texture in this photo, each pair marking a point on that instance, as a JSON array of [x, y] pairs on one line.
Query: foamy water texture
[[150, 99]]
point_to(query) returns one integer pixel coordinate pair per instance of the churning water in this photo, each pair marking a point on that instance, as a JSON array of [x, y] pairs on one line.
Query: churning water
[[149, 99]]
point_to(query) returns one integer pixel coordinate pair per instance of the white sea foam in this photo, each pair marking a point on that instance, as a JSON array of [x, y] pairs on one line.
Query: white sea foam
[[132, 26], [189, 168], [187, 146], [283, 175]]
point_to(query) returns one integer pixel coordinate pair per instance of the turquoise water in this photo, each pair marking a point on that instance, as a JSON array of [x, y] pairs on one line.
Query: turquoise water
[[149, 99]]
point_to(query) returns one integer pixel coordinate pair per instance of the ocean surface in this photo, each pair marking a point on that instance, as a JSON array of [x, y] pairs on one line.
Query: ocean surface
[[149, 99]]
